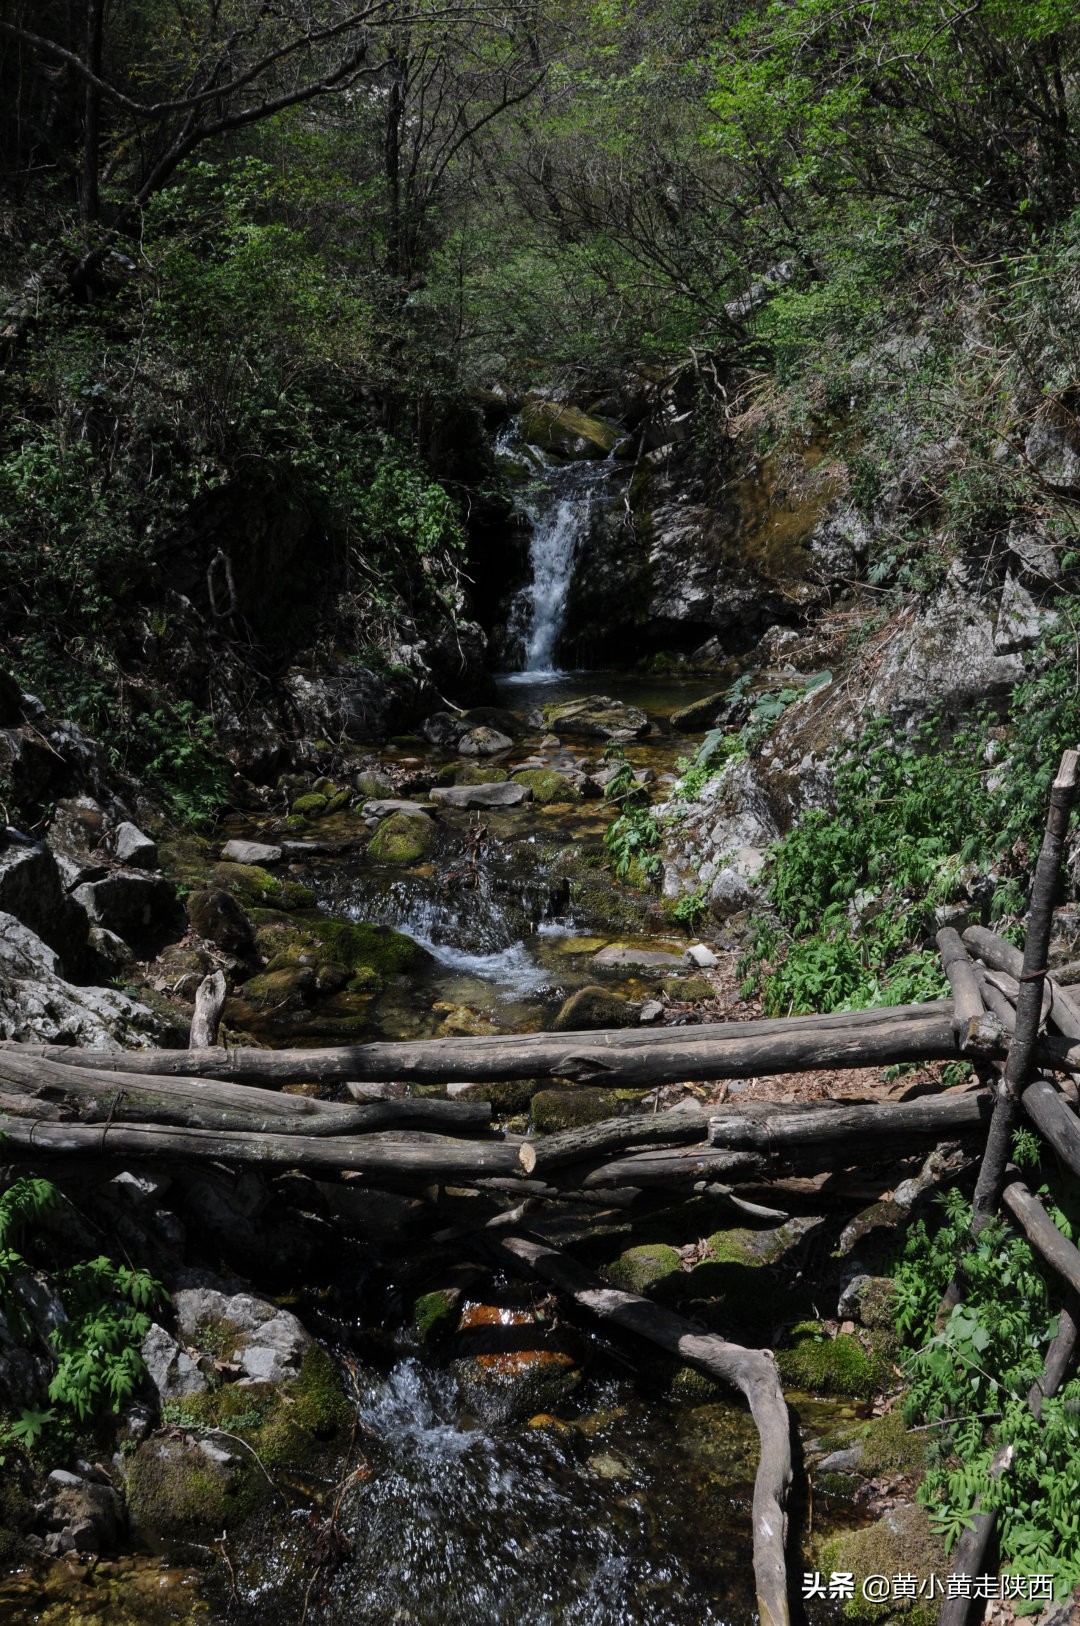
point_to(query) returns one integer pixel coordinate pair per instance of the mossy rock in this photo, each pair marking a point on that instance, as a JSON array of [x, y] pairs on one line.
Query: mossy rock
[[435, 1314], [256, 888], [403, 838], [834, 1366], [689, 990], [547, 786], [566, 430], [340, 798], [877, 1304], [471, 773], [890, 1447], [594, 1007], [508, 1097], [640, 1268], [289, 989], [311, 806], [368, 953], [16, 1514], [553, 1110], [902, 1543], [177, 1489]]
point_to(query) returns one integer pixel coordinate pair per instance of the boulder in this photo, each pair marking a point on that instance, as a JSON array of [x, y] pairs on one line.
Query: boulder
[[169, 1366], [701, 956], [444, 729], [547, 786], [384, 807], [507, 722], [1020, 623], [80, 1515], [620, 958], [507, 794], [596, 716], [268, 1342], [510, 1366], [403, 838], [251, 852], [37, 1005], [130, 846], [565, 430], [732, 887], [593, 1007], [216, 916], [77, 827], [483, 742], [32, 889], [130, 903], [699, 714]]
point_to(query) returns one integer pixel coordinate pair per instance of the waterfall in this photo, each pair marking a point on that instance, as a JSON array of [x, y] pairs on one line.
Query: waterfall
[[558, 503]]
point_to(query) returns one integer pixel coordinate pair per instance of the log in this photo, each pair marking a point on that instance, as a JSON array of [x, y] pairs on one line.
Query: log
[[642, 1060], [751, 1371], [672, 1166], [1021, 1057], [409, 1162], [197, 1103], [1045, 1107], [682, 1125], [968, 1007], [998, 1002], [209, 1004], [1042, 1233], [1063, 1009]]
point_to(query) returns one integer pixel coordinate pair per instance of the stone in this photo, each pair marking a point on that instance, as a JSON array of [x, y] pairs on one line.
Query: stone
[[1020, 623], [169, 1366], [383, 807], [507, 794], [512, 1366], [596, 716], [592, 1007], [651, 1011], [620, 958], [111, 950], [32, 889], [1052, 449], [77, 827], [838, 545], [251, 852], [80, 1516], [132, 904], [444, 729], [700, 713], [403, 838], [732, 888], [38, 1005], [483, 742], [266, 1340], [704, 958], [129, 845], [547, 786], [216, 916], [565, 430]]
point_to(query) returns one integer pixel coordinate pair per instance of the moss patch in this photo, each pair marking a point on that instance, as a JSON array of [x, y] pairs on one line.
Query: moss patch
[[368, 953], [436, 1313], [547, 786], [900, 1543], [403, 838], [835, 1366], [471, 773], [638, 1269], [508, 1097], [553, 1110], [690, 990], [889, 1447], [256, 888], [311, 806]]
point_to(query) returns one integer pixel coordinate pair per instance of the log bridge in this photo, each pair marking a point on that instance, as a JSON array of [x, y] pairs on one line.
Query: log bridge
[[221, 1104]]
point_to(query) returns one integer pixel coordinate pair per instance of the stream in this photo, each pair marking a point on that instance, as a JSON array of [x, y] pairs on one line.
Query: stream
[[628, 1504]]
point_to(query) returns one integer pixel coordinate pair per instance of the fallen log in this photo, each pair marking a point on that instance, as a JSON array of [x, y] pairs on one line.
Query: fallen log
[[641, 1060], [1063, 1009], [1045, 1107], [196, 1103], [673, 1166], [968, 1007], [751, 1371], [1042, 1233], [683, 1125], [419, 1162]]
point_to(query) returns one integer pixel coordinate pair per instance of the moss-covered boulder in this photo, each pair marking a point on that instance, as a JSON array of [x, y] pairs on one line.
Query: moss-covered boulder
[[566, 430], [548, 786], [257, 888], [842, 1365], [403, 838], [639, 1269], [368, 953], [902, 1543], [215, 915], [553, 1110], [688, 990], [312, 805], [287, 989], [435, 1314], [471, 773], [508, 1097], [593, 1007], [596, 716]]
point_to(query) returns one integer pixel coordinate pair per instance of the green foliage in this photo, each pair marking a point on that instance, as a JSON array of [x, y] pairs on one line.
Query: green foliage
[[970, 1379], [691, 908], [634, 835]]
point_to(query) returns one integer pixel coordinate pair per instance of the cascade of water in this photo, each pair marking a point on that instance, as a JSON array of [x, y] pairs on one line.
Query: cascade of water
[[559, 507]]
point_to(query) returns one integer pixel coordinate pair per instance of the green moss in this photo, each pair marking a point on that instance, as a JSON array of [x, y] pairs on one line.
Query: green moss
[[837, 1366], [547, 786], [311, 806], [173, 1490], [256, 888], [435, 1313], [508, 1097], [554, 1110], [900, 1543], [889, 1446], [877, 1304], [471, 773], [688, 989], [403, 838], [340, 799], [594, 1007], [640, 1268], [369, 953]]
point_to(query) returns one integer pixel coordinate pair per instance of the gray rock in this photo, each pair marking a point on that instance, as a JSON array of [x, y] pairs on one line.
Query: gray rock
[[1020, 623], [270, 1344], [128, 903], [444, 729], [169, 1366], [80, 1516], [617, 958], [847, 1461], [74, 871], [732, 889], [596, 716], [1036, 554], [129, 845], [482, 796], [382, 808], [838, 544], [251, 852], [1052, 449], [109, 948], [651, 1011], [37, 1004], [704, 958], [32, 889], [483, 742]]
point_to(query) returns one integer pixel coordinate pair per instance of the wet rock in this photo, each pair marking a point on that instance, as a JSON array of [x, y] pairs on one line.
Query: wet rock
[[483, 742], [385, 807], [289, 989], [714, 711], [511, 1367], [129, 845], [619, 958], [565, 430], [444, 729], [596, 716], [251, 852], [403, 838], [37, 1004], [507, 722], [547, 786], [134, 905], [216, 916], [257, 888], [507, 794], [471, 773], [593, 1007], [80, 1515]]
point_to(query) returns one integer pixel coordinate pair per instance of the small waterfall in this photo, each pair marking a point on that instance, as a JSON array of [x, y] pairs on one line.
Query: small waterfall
[[558, 503]]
